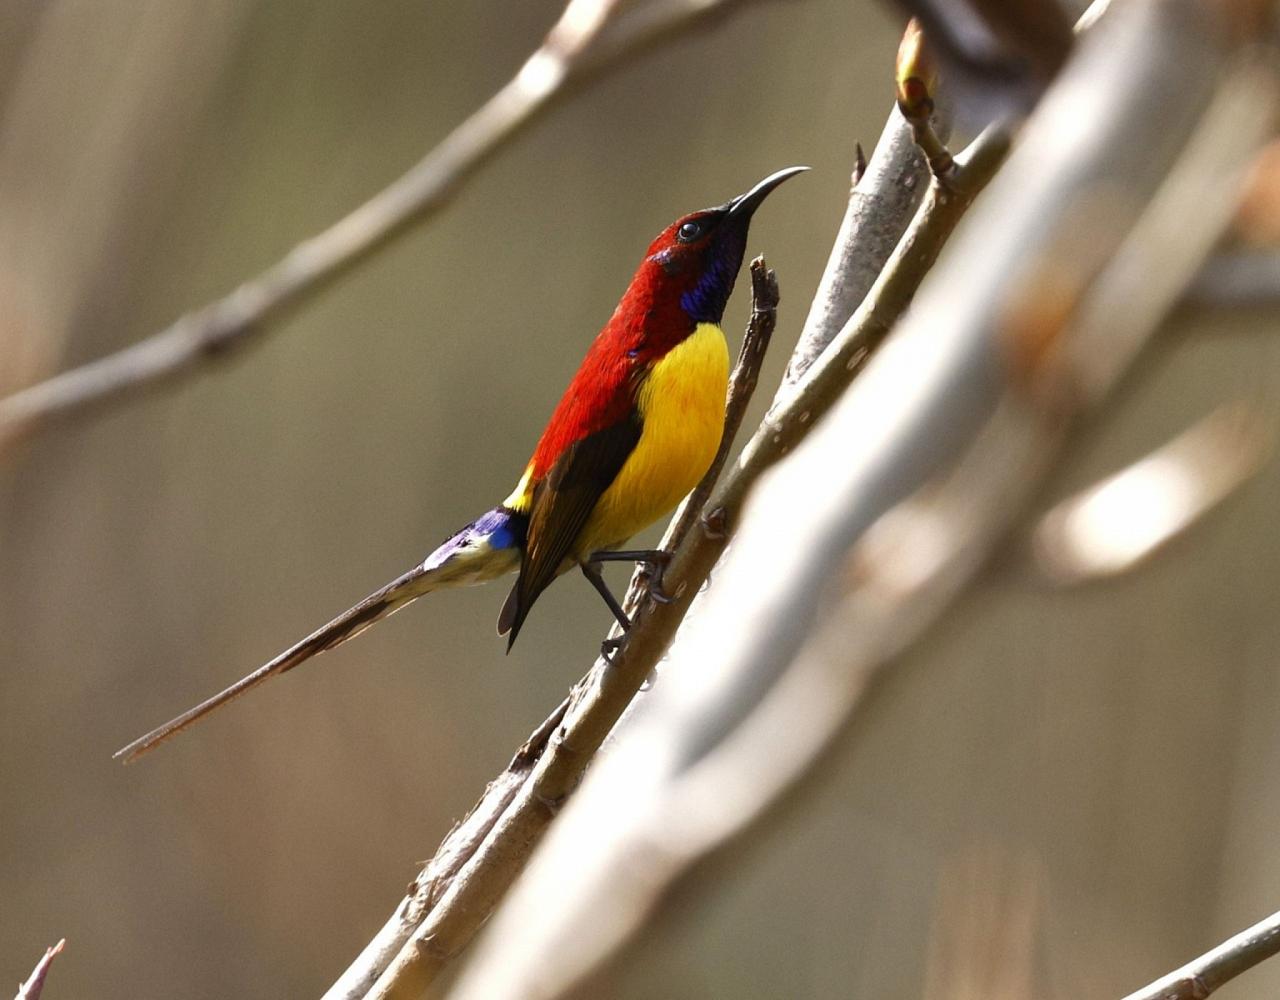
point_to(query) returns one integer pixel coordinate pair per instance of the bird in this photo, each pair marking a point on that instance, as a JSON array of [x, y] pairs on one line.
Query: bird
[[636, 429]]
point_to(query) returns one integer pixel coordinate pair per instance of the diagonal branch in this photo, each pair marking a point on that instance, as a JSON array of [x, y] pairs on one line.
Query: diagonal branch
[[567, 56], [1120, 522], [886, 191], [1202, 976], [34, 986]]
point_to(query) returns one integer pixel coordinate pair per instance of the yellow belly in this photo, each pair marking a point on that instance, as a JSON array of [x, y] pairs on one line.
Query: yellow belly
[[682, 408]]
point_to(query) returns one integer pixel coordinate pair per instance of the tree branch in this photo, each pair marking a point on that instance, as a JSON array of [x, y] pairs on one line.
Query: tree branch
[[1118, 523], [885, 194], [566, 56], [1202, 976], [880, 519], [604, 694], [34, 986], [600, 699]]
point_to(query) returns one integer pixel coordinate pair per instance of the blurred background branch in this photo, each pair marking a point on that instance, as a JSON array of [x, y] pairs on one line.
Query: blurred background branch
[[1237, 279], [1116, 524], [208, 333]]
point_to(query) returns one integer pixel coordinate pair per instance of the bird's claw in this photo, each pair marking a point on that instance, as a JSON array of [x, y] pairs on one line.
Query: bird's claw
[[652, 571], [610, 647], [660, 596]]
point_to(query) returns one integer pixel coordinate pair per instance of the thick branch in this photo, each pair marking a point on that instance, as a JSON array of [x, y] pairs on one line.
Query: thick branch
[[246, 314]]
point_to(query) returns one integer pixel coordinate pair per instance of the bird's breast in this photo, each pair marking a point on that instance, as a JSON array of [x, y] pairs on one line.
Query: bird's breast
[[681, 407]]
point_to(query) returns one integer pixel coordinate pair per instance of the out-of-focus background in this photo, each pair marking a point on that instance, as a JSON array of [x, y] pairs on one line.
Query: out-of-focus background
[[1063, 794]]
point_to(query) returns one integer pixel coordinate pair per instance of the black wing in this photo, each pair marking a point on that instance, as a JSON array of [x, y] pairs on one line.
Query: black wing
[[561, 505]]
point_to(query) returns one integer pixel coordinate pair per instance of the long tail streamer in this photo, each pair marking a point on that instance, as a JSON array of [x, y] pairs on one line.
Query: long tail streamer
[[485, 548]]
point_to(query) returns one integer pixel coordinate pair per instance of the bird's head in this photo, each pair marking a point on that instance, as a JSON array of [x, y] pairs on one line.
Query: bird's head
[[694, 262]]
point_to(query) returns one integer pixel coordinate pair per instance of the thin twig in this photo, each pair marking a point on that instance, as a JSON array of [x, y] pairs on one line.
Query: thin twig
[[1202, 976], [566, 56], [34, 986], [742, 385]]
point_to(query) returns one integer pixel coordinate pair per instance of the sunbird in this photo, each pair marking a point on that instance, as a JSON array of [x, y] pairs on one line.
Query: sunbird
[[635, 431]]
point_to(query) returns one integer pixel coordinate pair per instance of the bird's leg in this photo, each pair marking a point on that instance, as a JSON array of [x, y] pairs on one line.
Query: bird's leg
[[591, 570], [655, 562]]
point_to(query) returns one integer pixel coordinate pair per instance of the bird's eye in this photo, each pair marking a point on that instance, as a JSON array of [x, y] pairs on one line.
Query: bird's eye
[[689, 232]]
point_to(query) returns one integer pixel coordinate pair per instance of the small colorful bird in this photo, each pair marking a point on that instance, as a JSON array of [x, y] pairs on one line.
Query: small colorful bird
[[634, 432]]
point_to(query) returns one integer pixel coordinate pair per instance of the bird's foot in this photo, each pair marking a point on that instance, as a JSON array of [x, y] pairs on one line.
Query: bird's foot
[[652, 563]]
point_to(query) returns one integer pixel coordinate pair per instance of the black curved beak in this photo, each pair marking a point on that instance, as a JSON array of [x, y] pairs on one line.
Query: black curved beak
[[744, 206]]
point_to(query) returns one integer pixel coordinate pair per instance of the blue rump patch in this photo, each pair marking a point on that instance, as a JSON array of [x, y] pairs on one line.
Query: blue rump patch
[[499, 529]]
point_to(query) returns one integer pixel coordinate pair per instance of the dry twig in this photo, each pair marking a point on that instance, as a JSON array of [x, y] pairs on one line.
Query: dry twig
[[34, 986], [1202, 976]]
